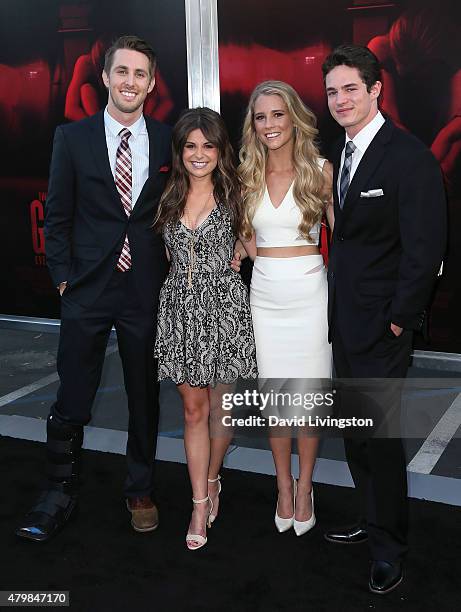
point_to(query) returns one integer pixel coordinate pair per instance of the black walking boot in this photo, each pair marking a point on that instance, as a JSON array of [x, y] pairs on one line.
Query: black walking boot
[[56, 503]]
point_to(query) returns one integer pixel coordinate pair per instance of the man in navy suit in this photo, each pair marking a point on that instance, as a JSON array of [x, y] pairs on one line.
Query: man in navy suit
[[387, 246], [106, 177]]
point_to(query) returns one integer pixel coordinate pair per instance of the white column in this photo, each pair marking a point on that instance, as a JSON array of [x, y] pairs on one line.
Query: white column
[[202, 53]]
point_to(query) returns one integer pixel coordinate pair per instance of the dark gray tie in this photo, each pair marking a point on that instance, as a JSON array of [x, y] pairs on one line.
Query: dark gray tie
[[346, 172]]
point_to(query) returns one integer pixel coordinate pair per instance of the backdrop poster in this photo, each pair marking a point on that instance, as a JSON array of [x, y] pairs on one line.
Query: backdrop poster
[[419, 45], [51, 59]]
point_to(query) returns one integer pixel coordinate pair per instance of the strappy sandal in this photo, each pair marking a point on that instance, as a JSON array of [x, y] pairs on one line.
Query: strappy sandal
[[199, 539], [218, 480]]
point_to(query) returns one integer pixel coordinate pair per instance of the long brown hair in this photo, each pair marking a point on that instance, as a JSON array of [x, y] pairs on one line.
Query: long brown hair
[[226, 184]]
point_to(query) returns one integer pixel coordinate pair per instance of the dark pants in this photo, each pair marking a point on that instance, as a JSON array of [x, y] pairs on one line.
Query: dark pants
[[377, 463], [82, 345]]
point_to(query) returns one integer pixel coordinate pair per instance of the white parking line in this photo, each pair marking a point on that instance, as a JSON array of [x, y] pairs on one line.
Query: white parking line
[[329, 471], [38, 384], [437, 441]]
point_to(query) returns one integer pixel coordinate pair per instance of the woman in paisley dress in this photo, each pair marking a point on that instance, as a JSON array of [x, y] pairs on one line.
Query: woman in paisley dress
[[204, 334]]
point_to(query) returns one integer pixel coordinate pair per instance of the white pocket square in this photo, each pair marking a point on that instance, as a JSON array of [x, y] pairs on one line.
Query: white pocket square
[[372, 193]]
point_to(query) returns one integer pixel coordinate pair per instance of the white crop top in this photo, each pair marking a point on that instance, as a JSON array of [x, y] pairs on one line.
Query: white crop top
[[278, 227]]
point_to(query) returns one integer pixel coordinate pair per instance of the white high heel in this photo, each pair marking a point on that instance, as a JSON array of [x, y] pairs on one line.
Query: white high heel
[[192, 537], [283, 524], [218, 480], [302, 527]]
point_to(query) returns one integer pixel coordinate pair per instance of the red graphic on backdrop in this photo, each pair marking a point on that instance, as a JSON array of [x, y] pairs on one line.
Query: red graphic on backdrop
[[86, 93], [421, 61], [36, 224], [243, 67]]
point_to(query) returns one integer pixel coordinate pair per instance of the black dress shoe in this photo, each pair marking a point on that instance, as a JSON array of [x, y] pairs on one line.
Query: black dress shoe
[[385, 576], [51, 512], [350, 535]]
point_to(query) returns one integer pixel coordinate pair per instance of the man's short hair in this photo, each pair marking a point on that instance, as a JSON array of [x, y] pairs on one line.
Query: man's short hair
[[136, 44], [358, 57]]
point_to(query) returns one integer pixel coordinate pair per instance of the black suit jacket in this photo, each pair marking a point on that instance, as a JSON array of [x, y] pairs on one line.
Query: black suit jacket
[[85, 223], [386, 250]]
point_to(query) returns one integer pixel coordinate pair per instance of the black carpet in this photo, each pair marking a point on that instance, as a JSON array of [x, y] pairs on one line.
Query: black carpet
[[246, 565]]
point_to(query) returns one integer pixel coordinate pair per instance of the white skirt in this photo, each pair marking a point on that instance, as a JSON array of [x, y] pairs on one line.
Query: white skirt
[[288, 298]]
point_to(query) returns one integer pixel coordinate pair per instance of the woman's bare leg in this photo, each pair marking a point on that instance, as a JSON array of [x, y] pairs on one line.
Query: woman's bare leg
[[280, 442], [307, 451], [197, 445], [220, 438]]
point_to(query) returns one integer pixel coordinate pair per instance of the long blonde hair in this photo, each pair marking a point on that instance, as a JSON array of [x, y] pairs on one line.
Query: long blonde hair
[[308, 182]]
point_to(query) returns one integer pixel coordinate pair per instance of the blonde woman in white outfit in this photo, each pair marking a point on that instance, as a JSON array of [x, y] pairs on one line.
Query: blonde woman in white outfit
[[287, 189]]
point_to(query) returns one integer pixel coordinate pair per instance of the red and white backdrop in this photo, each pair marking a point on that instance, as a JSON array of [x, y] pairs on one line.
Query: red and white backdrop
[[419, 45], [50, 64], [51, 59]]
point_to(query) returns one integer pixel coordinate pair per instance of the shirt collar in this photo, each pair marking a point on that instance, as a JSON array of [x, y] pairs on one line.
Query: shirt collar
[[363, 139], [114, 127]]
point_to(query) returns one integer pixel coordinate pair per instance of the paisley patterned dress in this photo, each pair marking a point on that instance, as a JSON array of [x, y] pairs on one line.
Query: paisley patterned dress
[[204, 328]]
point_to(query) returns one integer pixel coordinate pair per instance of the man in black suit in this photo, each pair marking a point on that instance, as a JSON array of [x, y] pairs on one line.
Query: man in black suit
[[106, 177], [387, 246]]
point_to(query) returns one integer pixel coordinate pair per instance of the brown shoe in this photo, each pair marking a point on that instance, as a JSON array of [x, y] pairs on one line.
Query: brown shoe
[[144, 513]]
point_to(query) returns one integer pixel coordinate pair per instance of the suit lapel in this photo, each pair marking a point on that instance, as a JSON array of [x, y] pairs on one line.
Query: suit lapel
[[154, 158], [336, 160], [154, 147], [98, 145], [101, 157], [370, 160]]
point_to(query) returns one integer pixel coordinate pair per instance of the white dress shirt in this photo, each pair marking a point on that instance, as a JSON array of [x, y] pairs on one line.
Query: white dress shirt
[[362, 141], [139, 145]]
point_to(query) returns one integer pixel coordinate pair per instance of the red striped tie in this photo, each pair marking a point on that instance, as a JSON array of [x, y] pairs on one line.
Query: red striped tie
[[123, 184]]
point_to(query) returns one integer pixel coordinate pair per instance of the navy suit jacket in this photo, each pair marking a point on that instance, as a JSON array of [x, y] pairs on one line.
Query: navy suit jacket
[[85, 223], [386, 250]]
